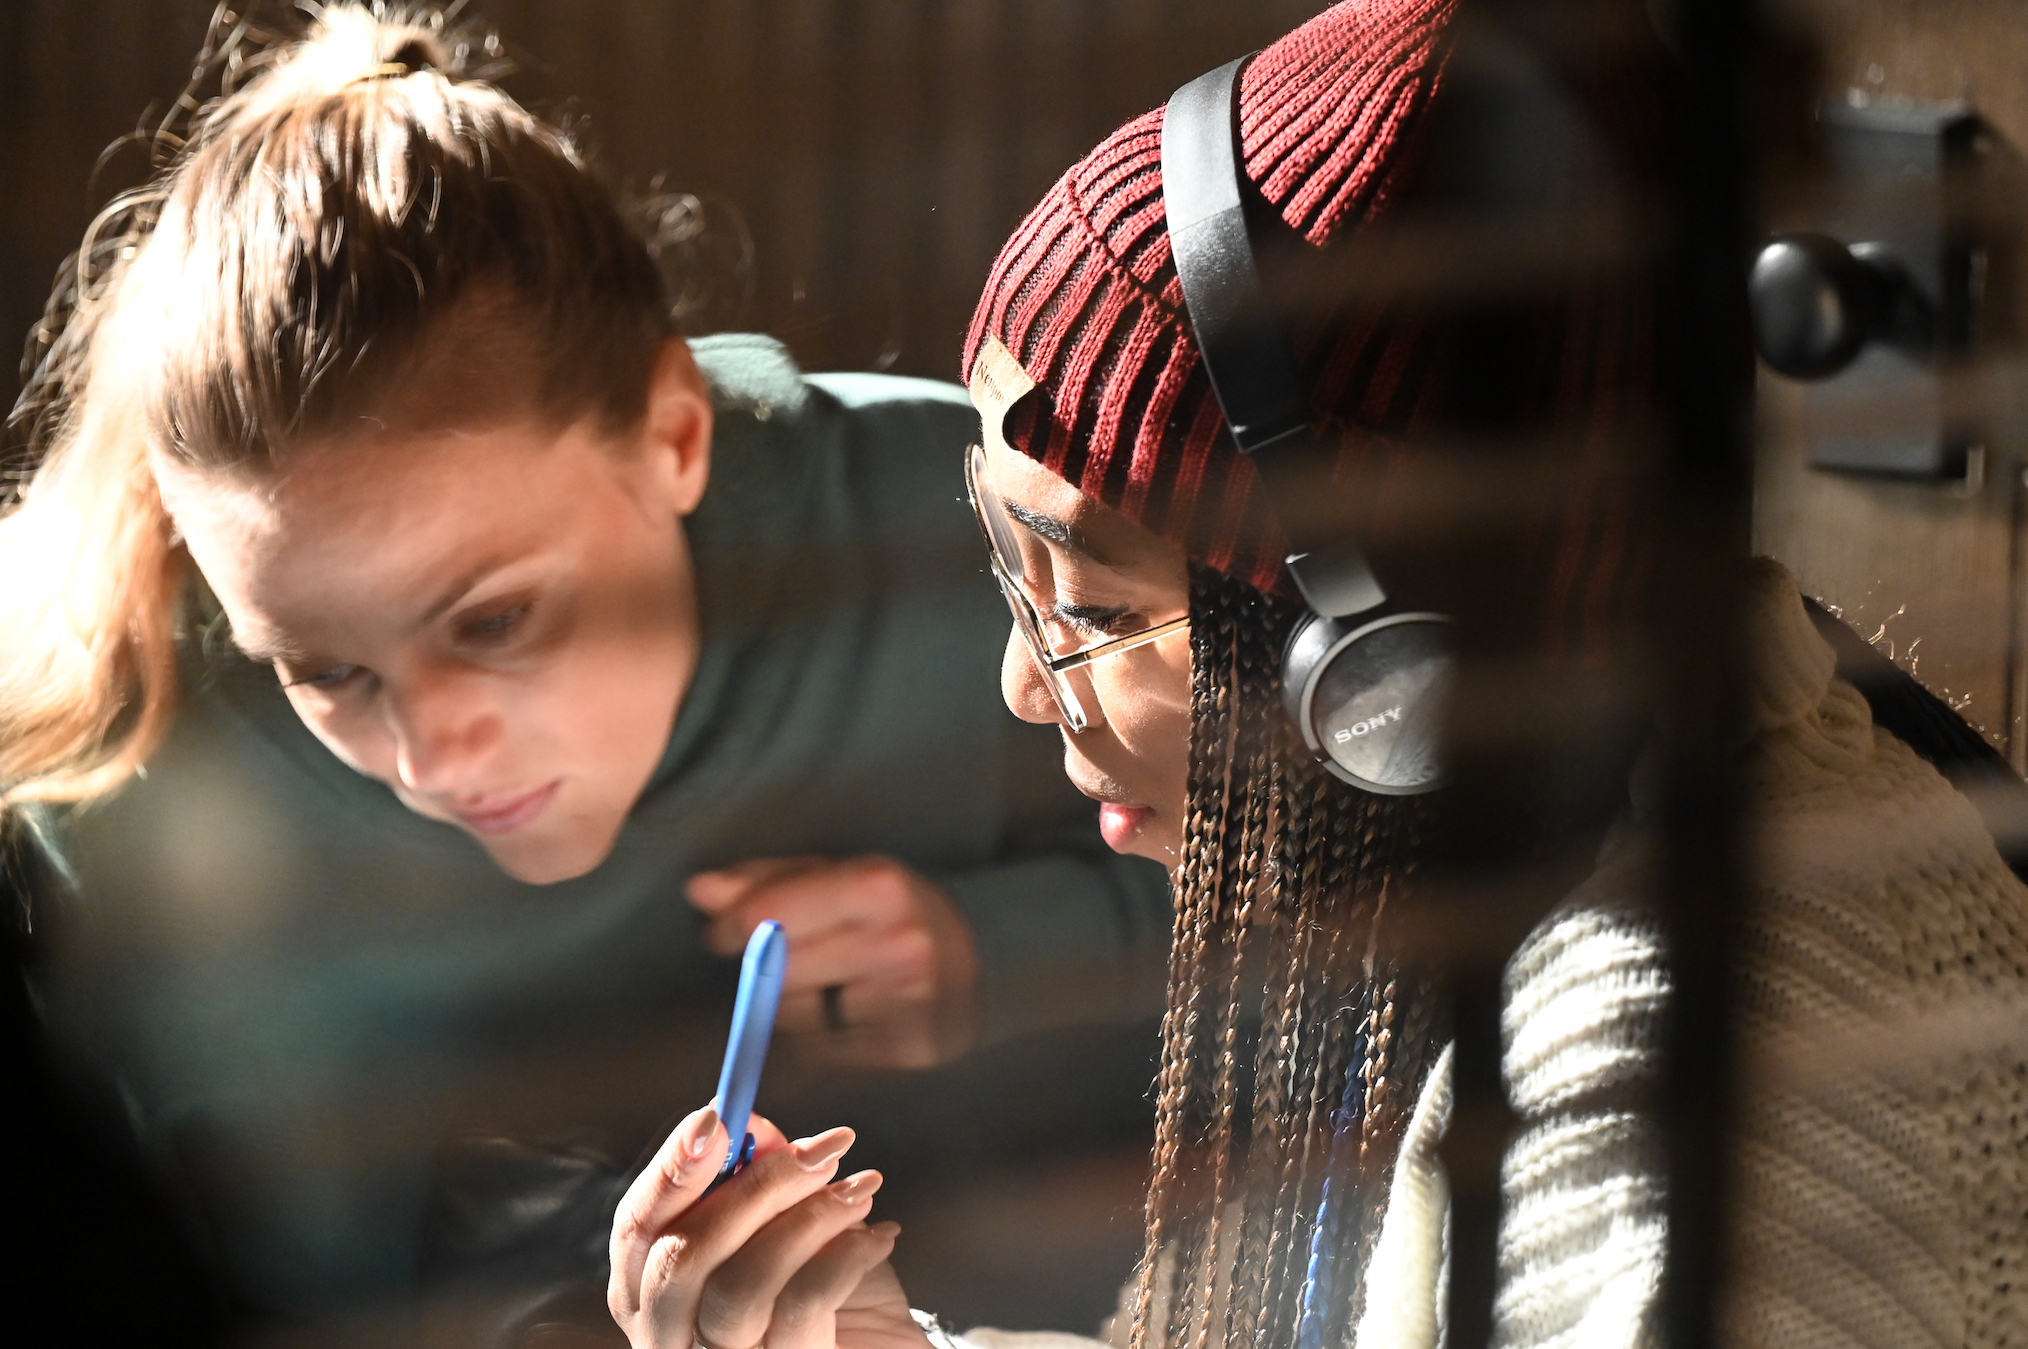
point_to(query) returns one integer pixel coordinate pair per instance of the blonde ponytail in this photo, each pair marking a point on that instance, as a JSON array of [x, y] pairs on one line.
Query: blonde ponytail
[[87, 621], [342, 197], [89, 576]]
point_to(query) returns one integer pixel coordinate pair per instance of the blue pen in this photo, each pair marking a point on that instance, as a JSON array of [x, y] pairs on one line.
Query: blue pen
[[746, 1048]]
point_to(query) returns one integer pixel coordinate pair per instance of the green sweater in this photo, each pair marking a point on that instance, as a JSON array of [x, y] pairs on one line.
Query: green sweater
[[298, 986]]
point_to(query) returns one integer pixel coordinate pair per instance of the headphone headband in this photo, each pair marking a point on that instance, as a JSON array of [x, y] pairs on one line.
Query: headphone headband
[[1238, 335]]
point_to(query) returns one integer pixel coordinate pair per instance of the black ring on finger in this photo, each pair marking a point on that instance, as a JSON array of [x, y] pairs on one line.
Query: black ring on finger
[[834, 1007]]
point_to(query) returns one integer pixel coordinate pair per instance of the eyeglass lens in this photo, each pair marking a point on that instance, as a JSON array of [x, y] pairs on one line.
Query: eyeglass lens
[[1009, 571]]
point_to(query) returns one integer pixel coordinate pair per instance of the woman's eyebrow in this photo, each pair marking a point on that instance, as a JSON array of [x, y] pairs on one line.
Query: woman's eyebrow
[[1052, 530], [451, 595], [266, 648], [1047, 527]]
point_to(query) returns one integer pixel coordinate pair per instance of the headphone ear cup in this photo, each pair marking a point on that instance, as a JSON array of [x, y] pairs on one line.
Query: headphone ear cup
[[1313, 636], [1368, 697]]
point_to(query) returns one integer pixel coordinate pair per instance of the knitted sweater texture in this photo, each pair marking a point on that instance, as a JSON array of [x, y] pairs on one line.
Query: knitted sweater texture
[[1881, 1175]]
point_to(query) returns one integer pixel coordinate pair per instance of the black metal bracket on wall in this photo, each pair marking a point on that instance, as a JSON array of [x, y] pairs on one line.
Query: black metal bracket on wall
[[1876, 307]]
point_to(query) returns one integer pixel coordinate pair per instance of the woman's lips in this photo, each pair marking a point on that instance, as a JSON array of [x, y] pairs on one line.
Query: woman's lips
[[1120, 824], [504, 817]]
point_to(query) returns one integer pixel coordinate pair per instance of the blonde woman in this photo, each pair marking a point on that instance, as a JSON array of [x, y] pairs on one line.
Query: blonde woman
[[460, 622]]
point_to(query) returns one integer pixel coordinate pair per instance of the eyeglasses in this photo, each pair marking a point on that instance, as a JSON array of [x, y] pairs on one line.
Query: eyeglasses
[[1003, 546]]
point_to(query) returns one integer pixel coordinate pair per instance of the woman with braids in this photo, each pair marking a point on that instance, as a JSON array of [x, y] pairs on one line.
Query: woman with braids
[[1296, 1200], [467, 621]]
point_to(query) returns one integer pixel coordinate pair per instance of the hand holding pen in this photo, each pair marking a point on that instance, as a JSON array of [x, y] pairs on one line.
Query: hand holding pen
[[735, 1238]]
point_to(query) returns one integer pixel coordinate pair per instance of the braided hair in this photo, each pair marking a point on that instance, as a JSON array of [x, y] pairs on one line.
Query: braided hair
[[1292, 1047]]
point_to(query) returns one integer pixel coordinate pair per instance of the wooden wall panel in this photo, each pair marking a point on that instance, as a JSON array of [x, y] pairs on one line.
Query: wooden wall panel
[[880, 151], [73, 77], [1934, 564]]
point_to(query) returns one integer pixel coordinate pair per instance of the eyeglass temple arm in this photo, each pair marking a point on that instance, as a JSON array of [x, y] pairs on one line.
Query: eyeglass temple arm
[[1085, 657]]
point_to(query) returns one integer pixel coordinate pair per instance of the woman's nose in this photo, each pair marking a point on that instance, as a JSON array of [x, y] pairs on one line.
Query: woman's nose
[[1026, 690], [441, 733]]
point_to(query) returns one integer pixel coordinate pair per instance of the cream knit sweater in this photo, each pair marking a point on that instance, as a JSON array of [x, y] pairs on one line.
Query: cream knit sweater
[[1881, 1185], [1882, 1170]]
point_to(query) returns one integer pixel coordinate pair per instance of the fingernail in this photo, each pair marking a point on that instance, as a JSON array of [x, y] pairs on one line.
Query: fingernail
[[886, 1229], [857, 1189], [697, 1133], [814, 1154]]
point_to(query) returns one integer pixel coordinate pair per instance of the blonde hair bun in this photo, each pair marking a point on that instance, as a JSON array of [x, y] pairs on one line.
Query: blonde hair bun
[[347, 44]]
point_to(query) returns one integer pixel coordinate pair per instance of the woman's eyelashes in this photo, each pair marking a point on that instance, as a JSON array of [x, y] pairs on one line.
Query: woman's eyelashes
[[495, 627], [1097, 619], [337, 676], [486, 630]]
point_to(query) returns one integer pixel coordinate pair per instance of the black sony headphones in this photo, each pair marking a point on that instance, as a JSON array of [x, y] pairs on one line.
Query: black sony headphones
[[1363, 680]]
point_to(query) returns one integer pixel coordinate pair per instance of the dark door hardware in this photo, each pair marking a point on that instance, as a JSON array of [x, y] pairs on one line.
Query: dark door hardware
[[1817, 304], [1874, 307]]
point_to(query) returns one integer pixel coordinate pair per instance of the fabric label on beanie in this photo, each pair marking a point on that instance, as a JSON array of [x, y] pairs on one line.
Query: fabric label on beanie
[[998, 382]]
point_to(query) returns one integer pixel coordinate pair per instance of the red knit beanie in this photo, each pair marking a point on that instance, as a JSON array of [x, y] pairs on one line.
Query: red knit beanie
[[1086, 299]]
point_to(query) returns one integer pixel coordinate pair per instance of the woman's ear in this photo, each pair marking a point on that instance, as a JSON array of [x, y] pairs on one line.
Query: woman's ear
[[677, 429]]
